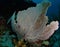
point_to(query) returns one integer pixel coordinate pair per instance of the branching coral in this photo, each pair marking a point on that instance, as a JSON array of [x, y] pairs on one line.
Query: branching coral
[[21, 43], [31, 23]]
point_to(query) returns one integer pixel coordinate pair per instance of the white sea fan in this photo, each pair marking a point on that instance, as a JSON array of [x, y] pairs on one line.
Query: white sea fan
[[49, 30], [27, 18], [42, 33], [31, 23]]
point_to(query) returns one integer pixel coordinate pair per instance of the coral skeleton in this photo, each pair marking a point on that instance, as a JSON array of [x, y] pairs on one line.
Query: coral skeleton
[[31, 23]]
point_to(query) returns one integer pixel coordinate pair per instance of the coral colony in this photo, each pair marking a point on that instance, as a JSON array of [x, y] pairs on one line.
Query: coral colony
[[31, 23], [5, 38]]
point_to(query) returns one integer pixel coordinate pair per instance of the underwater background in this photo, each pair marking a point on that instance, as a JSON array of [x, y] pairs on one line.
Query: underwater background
[[9, 38]]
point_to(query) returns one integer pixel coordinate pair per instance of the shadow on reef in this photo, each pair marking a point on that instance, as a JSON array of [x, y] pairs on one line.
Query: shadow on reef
[[6, 38]]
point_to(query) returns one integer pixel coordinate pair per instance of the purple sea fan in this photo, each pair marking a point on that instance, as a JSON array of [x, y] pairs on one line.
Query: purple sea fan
[[31, 23]]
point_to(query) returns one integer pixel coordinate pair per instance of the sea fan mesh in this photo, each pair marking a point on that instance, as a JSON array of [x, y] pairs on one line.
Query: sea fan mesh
[[31, 23]]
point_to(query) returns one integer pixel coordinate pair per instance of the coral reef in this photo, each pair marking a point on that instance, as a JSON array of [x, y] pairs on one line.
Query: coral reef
[[20, 43], [31, 26], [5, 38], [31, 23]]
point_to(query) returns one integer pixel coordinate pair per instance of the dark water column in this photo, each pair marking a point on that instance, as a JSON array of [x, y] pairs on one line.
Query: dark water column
[[7, 7]]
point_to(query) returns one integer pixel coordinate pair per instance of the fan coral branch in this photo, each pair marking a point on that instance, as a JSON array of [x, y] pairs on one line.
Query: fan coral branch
[[31, 23]]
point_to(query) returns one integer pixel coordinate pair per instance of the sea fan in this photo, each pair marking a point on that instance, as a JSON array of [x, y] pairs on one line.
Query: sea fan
[[31, 23]]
